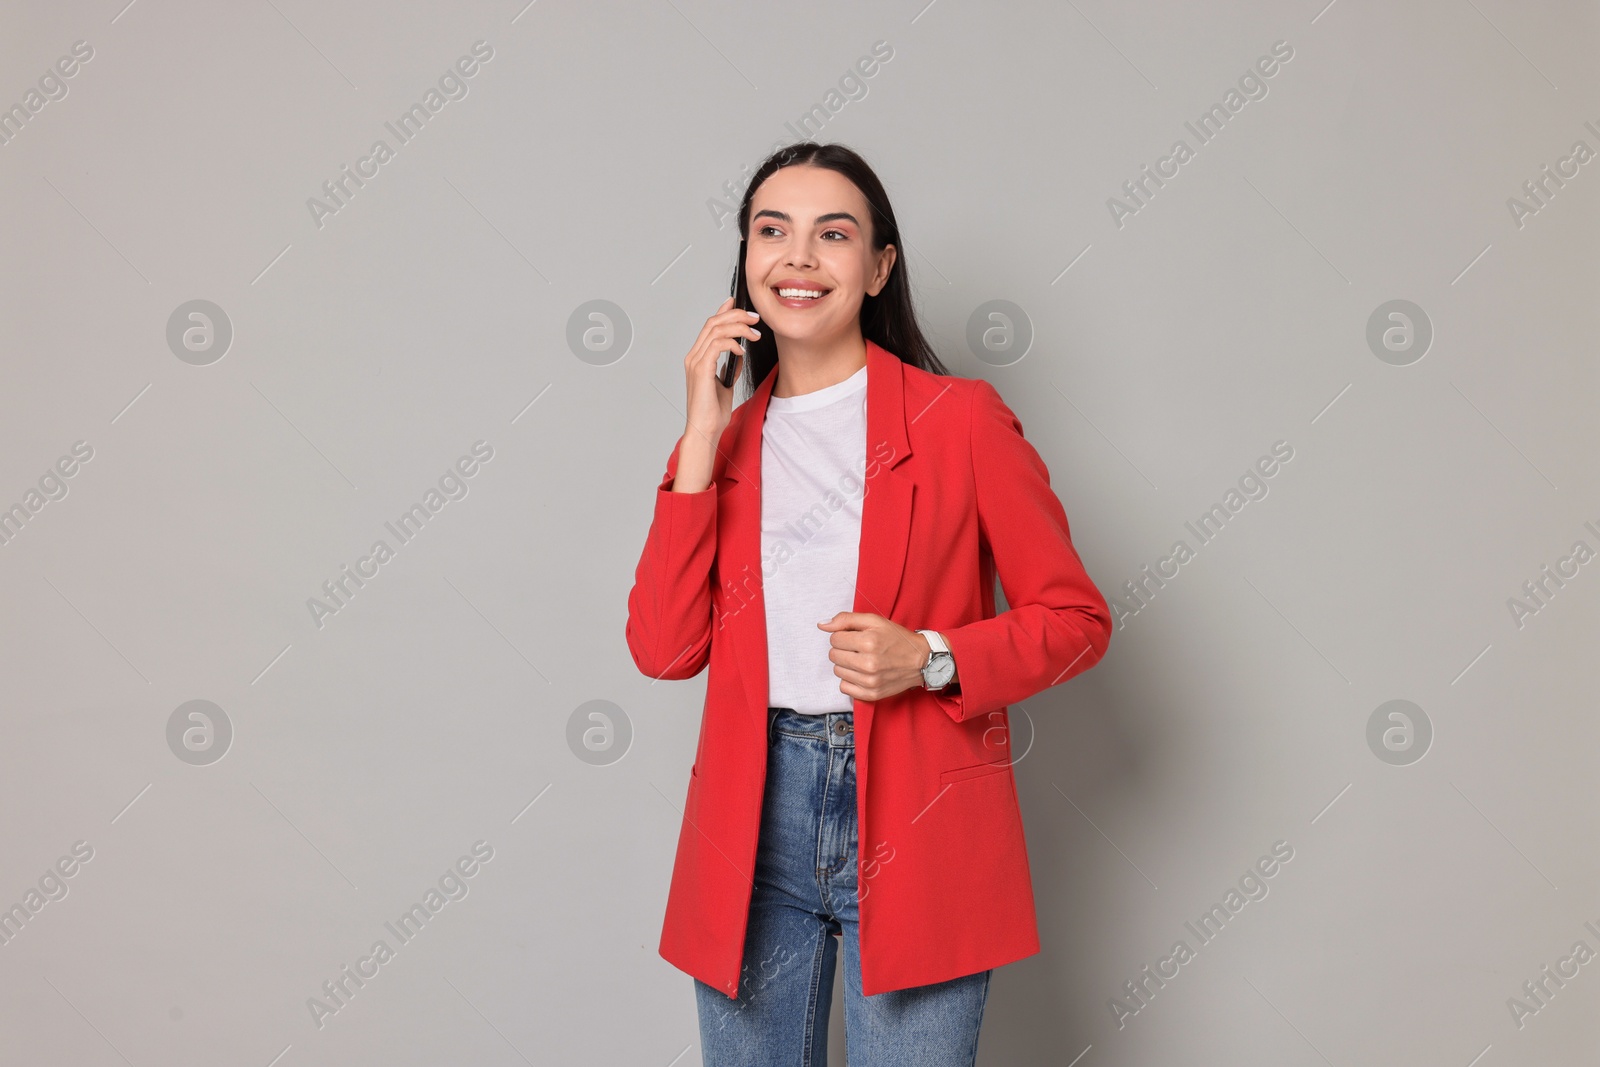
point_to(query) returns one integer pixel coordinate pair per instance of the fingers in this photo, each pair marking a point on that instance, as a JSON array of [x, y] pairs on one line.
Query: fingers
[[857, 675], [697, 349], [726, 321], [723, 333], [862, 668], [729, 330]]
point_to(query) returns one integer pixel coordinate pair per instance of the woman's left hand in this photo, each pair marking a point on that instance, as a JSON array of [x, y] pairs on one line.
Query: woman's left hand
[[874, 657]]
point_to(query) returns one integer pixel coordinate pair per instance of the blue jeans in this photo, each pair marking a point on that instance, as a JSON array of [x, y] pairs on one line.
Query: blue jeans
[[805, 893]]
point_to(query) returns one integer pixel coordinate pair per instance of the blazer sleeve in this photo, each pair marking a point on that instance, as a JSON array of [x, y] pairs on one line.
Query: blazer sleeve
[[1057, 624], [669, 606]]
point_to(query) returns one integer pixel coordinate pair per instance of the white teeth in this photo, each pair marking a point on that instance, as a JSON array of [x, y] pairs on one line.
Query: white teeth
[[800, 294]]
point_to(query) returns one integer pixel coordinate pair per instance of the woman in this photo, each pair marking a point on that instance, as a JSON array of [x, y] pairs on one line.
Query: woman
[[830, 549]]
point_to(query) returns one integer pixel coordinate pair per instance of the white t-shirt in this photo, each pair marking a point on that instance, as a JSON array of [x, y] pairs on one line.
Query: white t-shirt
[[813, 466]]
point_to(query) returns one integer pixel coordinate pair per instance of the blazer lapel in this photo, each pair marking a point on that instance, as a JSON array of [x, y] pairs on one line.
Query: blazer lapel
[[886, 507], [739, 553]]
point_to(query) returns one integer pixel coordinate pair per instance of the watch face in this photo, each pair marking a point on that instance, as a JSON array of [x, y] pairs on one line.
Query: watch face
[[941, 668]]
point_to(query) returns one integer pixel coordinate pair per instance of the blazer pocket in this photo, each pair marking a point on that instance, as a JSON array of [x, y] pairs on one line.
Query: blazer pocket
[[977, 770]]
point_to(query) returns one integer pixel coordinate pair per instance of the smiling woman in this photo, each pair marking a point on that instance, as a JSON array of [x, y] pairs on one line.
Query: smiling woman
[[880, 637]]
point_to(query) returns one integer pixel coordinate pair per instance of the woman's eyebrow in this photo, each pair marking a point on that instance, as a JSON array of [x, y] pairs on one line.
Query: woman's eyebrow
[[830, 217]]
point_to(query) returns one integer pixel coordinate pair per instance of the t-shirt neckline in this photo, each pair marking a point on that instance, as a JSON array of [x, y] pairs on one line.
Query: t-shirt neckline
[[819, 397]]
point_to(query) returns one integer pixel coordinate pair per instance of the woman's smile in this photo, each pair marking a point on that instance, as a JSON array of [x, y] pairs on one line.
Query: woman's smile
[[799, 293]]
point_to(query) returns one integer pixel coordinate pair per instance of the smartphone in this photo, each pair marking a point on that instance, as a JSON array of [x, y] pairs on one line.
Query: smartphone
[[728, 362]]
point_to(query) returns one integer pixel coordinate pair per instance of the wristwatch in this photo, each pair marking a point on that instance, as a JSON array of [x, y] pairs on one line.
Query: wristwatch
[[941, 665]]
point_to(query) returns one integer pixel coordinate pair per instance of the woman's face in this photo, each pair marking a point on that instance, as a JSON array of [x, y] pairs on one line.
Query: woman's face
[[810, 229]]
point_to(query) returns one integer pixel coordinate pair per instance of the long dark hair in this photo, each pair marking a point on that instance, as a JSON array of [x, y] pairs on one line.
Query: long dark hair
[[888, 319]]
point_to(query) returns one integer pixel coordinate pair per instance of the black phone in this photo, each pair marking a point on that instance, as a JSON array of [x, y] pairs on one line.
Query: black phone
[[728, 362]]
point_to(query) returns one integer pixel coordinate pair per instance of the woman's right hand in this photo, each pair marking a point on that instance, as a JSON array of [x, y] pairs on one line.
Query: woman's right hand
[[710, 404]]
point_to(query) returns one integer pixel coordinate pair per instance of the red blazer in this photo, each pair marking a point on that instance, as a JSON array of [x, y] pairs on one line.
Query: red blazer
[[953, 494]]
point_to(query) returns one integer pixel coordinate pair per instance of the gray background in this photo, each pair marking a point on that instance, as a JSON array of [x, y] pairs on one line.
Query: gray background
[[433, 311]]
